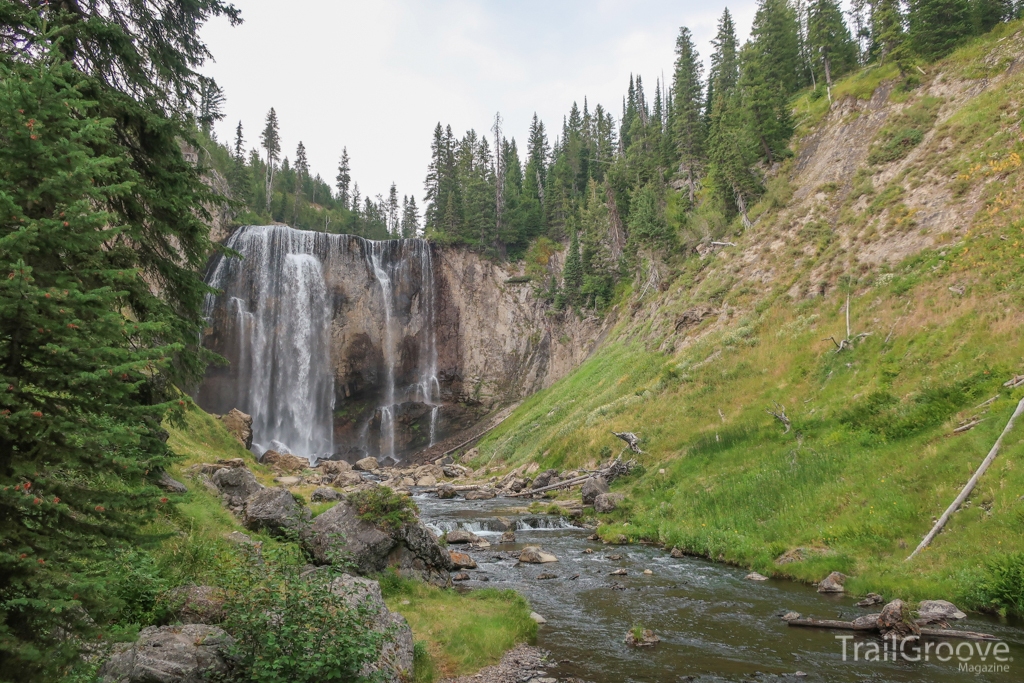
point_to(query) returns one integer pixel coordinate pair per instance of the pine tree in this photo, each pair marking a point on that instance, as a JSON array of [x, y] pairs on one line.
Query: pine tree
[[936, 27], [730, 159], [301, 162], [985, 14], [271, 140], [889, 40], [103, 242], [410, 217], [343, 179], [829, 40], [393, 217], [211, 104], [724, 73], [688, 129], [239, 178], [572, 273]]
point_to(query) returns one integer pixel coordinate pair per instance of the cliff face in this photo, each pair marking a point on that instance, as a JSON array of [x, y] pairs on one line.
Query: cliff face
[[339, 346]]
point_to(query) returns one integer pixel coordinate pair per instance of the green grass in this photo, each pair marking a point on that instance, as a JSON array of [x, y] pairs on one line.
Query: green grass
[[460, 633]]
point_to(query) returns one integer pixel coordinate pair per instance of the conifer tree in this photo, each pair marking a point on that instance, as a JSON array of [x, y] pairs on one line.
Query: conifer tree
[[936, 27], [211, 104], [985, 14], [301, 162], [889, 38], [724, 73], [343, 179], [410, 217], [769, 71], [829, 40], [688, 130], [572, 273], [393, 216], [271, 141]]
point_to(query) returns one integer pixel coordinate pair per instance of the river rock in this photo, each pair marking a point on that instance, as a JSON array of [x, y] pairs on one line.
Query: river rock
[[240, 426], [546, 576], [790, 616], [534, 555], [502, 524], [344, 479], [170, 654], [937, 612], [538, 618], [394, 664], [894, 621], [412, 549], [870, 600], [274, 510], [676, 553], [324, 494], [606, 502], [366, 465], [333, 466], [445, 491], [235, 484], [196, 604], [646, 639], [754, 576], [833, 583], [283, 462], [866, 621], [508, 537], [544, 478], [479, 494], [426, 481], [592, 488], [461, 560], [618, 572], [461, 576], [461, 536], [171, 485]]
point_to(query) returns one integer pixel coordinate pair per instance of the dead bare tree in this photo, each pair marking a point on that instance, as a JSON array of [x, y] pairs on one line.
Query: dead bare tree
[[850, 337], [631, 439], [780, 414]]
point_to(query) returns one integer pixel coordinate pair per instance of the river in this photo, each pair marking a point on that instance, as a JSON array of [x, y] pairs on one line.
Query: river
[[714, 624]]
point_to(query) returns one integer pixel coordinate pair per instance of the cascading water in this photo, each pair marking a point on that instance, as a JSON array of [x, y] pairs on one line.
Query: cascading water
[[288, 309]]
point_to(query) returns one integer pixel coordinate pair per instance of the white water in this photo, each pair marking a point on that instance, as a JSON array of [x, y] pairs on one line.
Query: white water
[[278, 303]]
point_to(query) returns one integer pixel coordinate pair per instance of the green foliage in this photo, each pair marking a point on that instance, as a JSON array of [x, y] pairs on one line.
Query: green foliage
[[1003, 584], [295, 627], [905, 131], [383, 507]]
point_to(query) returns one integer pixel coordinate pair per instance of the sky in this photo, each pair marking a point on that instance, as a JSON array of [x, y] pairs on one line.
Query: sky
[[377, 76]]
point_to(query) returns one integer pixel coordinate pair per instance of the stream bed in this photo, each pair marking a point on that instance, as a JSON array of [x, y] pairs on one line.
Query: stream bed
[[714, 624]]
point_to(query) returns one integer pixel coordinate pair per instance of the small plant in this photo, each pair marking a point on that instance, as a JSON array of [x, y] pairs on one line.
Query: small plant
[[1003, 585], [382, 507]]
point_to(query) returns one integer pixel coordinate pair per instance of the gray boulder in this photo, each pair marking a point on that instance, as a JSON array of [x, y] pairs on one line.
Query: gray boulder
[[937, 612], [171, 485], [833, 583], [462, 536], [324, 493], [412, 550], [240, 426], [170, 654], [235, 484], [592, 488], [606, 502], [366, 465], [544, 478], [479, 495], [445, 491], [273, 510], [395, 662]]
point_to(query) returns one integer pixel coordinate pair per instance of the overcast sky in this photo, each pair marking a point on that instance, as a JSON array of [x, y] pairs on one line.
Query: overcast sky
[[378, 75]]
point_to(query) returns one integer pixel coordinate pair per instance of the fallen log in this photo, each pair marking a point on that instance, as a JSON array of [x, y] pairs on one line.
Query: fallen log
[[475, 438], [851, 626], [953, 633], [970, 484], [967, 427], [551, 487]]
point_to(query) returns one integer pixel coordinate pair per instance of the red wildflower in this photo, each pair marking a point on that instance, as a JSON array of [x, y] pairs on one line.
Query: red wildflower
[[56, 500], [37, 501], [23, 556], [163, 500], [28, 485], [41, 561], [37, 414], [99, 508]]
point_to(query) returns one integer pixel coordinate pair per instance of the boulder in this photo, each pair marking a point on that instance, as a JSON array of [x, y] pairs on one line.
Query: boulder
[[324, 494], [394, 664], [870, 600], [866, 622], [592, 488], [333, 466], [445, 491], [546, 576], [676, 553], [240, 426], [366, 465], [461, 576], [534, 555], [833, 583], [171, 485], [426, 481], [462, 536], [538, 618], [346, 479], [937, 612], [644, 638], [479, 494], [196, 604], [469, 455], [283, 462], [412, 550], [531, 469], [288, 481], [606, 502], [754, 576], [462, 560], [544, 478], [238, 537], [452, 471], [894, 621], [235, 484], [170, 654], [274, 510], [503, 524], [508, 537], [790, 616]]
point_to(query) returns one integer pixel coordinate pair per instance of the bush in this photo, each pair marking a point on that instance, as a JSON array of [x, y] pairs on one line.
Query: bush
[[1003, 585], [290, 627], [382, 507]]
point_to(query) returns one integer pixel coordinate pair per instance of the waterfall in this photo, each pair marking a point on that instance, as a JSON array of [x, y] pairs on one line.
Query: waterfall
[[282, 307]]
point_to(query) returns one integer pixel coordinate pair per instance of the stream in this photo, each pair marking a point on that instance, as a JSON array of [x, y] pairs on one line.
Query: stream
[[714, 624]]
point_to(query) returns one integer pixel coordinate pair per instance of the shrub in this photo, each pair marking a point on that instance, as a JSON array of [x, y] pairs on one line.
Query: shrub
[[1003, 585], [289, 627], [382, 507]]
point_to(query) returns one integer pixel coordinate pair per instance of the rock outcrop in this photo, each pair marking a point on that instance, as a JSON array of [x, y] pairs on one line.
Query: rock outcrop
[[412, 550], [395, 662], [592, 488], [170, 654], [235, 484], [239, 425], [275, 511]]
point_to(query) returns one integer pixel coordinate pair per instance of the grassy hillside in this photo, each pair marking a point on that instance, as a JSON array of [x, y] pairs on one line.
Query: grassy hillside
[[903, 198]]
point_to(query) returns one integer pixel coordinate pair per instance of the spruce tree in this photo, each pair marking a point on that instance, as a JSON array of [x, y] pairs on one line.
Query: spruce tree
[[572, 273], [889, 39], [688, 131], [724, 72], [211, 104], [936, 27], [343, 179], [985, 14], [829, 40], [271, 141], [410, 217]]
